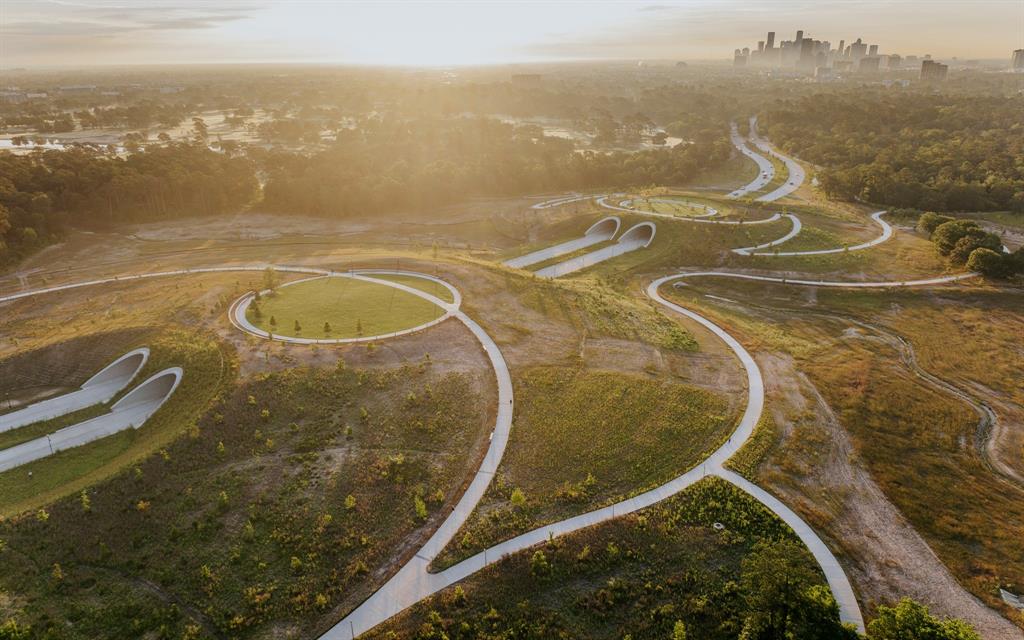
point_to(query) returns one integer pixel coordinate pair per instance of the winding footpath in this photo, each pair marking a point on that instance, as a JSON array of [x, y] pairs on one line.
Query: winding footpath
[[797, 226], [413, 581], [765, 168], [794, 181], [887, 232], [796, 174]]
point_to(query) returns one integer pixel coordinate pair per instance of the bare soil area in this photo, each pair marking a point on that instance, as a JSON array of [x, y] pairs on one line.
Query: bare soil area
[[885, 557]]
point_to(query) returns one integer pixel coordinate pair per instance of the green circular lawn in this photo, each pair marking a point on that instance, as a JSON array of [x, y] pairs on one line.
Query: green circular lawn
[[353, 308], [682, 208]]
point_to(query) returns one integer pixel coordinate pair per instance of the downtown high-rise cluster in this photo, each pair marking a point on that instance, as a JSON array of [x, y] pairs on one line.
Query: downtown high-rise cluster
[[820, 58]]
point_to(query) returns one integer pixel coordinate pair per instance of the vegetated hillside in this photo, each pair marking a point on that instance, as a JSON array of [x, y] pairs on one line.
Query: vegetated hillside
[[273, 516], [665, 572], [209, 369], [921, 443], [586, 438], [930, 151]]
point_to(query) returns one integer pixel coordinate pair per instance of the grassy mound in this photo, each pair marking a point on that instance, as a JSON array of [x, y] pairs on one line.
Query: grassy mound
[[584, 439], [634, 576], [352, 308], [208, 370], [281, 511]]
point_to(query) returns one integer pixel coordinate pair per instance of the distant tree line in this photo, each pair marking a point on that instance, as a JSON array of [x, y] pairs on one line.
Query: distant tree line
[[400, 164], [43, 193], [934, 152]]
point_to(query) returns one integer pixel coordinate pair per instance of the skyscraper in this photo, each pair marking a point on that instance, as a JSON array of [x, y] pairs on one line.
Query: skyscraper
[[799, 37], [1018, 60], [858, 50], [771, 39], [873, 51], [934, 71]]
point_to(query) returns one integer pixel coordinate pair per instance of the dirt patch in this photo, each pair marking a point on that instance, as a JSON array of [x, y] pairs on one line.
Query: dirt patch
[[448, 347], [885, 557]]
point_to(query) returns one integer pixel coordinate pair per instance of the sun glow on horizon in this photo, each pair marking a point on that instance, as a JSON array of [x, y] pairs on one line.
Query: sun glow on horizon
[[404, 33]]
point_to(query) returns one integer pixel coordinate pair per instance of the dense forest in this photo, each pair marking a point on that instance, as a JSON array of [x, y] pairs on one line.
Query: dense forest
[[383, 166], [428, 162], [343, 142], [42, 193], [929, 151]]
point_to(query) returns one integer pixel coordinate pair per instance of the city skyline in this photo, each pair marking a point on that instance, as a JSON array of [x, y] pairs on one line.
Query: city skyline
[[823, 57], [61, 33]]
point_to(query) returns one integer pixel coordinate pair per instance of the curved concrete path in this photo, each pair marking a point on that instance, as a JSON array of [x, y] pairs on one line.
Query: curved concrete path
[[130, 412], [427, 584], [638, 236], [887, 232], [238, 309], [601, 231], [98, 389], [796, 172], [793, 232], [713, 465], [557, 202], [849, 284], [765, 168], [412, 582]]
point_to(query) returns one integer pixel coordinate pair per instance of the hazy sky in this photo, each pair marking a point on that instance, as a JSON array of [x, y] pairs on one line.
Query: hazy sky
[[83, 32]]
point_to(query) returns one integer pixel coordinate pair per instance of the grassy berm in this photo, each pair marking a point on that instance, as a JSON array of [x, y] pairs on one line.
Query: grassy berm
[[274, 516]]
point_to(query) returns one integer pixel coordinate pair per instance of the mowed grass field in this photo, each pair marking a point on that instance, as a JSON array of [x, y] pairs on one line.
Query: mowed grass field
[[669, 205], [354, 308], [427, 286]]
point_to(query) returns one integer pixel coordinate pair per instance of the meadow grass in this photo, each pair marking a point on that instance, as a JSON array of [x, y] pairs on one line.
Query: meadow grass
[[208, 369], [284, 505], [918, 443], [585, 438], [757, 449], [633, 576], [734, 172], [354, 308], [597, 309]]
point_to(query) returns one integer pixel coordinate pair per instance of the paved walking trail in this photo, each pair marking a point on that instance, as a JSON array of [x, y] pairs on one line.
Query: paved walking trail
[[796, 172], [98, 389], [636, 237], [413, 581], [887, 233], [130, 412], [416, 580], [600, 231]]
